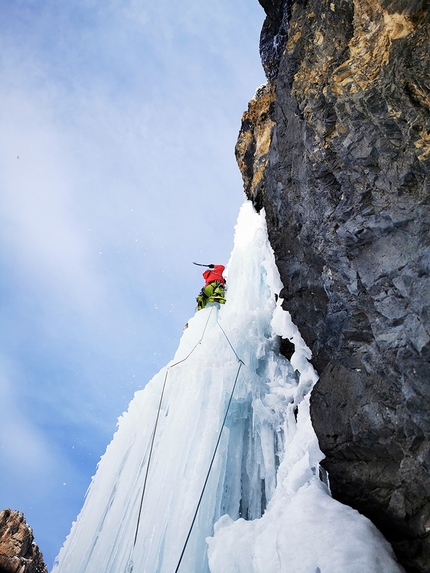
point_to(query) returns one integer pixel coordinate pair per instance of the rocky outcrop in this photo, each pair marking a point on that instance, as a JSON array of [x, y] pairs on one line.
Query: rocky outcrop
[[18, 552], [252, 147], [336, 148]]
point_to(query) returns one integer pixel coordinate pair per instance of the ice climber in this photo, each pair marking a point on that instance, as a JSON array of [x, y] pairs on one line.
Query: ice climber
[[214, 289]]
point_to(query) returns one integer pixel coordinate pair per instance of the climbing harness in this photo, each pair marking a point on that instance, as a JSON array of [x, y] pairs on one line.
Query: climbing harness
[[130, 565], [212, 292]]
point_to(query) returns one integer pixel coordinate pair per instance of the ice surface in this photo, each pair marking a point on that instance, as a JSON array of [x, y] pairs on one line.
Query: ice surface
[[264, 508]]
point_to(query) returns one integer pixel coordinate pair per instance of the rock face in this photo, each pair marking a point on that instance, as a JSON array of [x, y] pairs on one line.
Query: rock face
[[336, 148], [18, 552]]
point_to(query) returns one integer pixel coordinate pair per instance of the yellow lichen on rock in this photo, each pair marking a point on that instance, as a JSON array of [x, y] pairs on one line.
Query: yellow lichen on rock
[[370, 47], [317, 50], [254, 140], [319, 38], [423, 145], [397, 25], [293, 41]]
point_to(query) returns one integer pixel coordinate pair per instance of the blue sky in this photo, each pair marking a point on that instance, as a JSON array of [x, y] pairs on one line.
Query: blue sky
[[117, 170]]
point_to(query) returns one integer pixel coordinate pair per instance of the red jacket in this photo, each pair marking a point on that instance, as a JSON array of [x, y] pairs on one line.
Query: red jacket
[[214, 274]]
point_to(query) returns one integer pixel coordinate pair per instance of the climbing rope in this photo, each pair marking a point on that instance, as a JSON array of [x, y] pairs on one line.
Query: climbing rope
[[241, 363], [149, 457], [210, 467], [231, 346], [130, 567]]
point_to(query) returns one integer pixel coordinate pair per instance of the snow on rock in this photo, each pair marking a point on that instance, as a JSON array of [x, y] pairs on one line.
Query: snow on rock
[[263, 508]]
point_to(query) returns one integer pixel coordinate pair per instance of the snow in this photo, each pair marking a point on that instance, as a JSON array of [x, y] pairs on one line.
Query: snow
[[264, 508]]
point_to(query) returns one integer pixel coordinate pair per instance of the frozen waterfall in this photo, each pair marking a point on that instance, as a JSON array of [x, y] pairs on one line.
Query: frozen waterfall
[[264, 507]]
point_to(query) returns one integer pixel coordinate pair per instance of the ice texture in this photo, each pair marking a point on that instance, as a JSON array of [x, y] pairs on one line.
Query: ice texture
[[264, 508]]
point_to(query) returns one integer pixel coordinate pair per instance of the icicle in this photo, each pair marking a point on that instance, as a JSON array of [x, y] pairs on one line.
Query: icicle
[[263, 508]]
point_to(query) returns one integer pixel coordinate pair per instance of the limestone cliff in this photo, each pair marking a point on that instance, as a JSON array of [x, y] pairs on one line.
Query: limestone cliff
[[336, 148], [18, 552]]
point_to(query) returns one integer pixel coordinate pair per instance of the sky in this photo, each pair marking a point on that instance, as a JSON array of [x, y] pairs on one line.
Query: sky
[[117, 171]]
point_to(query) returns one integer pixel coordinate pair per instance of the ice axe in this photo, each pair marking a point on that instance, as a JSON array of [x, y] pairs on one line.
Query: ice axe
[[200, 265]]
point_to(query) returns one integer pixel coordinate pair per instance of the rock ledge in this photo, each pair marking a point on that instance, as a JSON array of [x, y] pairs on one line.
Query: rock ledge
[[18, 552]]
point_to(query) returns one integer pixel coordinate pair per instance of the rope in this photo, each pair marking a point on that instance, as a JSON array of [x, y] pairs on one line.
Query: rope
[[149, 457], [156, 424], [210, 467], [241, 363], [231, 346]]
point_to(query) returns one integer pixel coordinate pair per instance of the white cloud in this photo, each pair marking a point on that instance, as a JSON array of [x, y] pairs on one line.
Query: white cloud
[[124, 116], [36, 200], [24, 450]]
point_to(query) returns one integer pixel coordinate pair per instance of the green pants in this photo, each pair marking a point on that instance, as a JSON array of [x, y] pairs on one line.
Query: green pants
[[213, 292]]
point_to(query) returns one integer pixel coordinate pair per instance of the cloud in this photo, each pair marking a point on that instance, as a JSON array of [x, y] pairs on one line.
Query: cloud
[[36, 203], [124, 116], [24, 450]]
